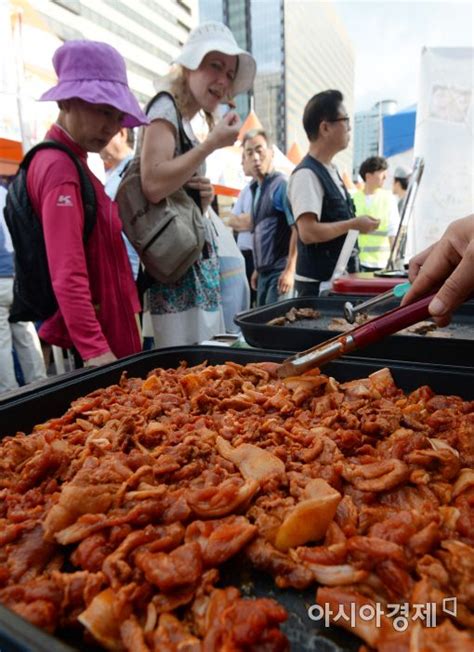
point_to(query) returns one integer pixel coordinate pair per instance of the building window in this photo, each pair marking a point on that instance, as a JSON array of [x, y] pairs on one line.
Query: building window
[[74, 6], [186, 7], [64, 32]]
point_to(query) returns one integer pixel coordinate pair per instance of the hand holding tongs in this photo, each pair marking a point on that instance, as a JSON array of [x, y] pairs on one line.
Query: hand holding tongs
[[358, 337]]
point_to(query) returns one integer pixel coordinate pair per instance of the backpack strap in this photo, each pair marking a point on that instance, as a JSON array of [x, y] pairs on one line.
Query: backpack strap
[[87, 189], [184, 140]]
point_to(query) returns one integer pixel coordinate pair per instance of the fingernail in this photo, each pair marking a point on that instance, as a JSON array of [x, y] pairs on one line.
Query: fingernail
[[437, 307]]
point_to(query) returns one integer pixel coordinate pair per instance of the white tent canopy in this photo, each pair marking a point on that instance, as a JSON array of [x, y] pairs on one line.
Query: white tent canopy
[[224, 166], [444, 137]]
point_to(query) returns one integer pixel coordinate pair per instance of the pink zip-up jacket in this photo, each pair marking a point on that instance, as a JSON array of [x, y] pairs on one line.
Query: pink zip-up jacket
[[93, 282]]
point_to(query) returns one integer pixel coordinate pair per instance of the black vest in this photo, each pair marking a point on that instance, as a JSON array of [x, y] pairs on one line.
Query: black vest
[[317, 261], [270, 227]]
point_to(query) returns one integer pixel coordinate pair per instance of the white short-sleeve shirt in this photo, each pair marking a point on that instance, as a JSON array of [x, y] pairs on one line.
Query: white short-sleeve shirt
[[306, 193]]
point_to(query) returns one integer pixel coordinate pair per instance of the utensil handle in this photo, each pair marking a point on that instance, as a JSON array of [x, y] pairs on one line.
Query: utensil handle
[[392, 322], [401, 289]]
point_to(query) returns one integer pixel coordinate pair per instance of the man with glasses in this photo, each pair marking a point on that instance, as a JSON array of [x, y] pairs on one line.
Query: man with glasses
[[321, 205]]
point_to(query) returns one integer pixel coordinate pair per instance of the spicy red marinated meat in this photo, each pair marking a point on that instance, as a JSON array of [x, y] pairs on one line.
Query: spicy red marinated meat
[[118, 515]]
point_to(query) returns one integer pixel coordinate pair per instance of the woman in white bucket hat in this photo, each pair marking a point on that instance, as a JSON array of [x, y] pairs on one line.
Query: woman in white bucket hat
[[214, 36], [210, 69]]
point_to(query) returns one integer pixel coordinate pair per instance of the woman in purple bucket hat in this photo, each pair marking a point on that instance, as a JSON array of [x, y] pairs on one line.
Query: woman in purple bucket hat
[[91, 278]]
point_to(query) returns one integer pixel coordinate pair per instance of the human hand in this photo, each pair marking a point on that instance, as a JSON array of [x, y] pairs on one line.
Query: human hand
[[286, 281], [448, 263], [225, 132], [99, 360], [206, 191], [253, 280], [366, 224]]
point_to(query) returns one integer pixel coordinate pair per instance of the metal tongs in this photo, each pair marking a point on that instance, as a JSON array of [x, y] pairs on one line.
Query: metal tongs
[[358, 337], [351, 311]]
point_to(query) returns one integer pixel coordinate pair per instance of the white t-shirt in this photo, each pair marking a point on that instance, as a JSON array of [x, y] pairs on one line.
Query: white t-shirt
[[244, 205], [306, 192], [164, 109]]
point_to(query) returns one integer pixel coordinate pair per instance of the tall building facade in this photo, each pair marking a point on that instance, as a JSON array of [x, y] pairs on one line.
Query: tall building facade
[[268, 41], [148, 33], [236, 15], [301, 47], [368, 132], [318, 56]]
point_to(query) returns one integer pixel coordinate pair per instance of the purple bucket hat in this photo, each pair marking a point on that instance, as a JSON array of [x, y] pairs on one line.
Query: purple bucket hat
[[94, 72]]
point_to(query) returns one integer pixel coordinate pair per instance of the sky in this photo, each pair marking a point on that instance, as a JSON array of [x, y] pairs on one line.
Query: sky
[[388, 38]]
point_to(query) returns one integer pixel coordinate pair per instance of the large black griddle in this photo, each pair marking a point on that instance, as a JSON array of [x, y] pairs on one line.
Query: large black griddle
[[457, 349], [30, 406]]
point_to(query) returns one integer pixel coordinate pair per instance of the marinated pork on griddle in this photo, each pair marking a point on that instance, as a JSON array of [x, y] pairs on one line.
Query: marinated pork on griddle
[[117, 517], [294, 314]]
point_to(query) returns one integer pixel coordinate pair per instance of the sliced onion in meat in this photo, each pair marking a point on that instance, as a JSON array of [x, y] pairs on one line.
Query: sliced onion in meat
[[310, 518]]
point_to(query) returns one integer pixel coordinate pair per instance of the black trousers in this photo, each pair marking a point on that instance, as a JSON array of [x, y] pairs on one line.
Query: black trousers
[[307, 288]]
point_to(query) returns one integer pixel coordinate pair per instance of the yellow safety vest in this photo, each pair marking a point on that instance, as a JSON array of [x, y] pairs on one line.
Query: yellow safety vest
[[374, 247]]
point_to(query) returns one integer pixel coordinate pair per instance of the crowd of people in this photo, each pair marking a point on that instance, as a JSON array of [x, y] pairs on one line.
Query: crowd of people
[[289, 232]]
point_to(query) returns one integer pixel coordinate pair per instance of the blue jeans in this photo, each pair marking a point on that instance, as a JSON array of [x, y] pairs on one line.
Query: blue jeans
[[267, 288]]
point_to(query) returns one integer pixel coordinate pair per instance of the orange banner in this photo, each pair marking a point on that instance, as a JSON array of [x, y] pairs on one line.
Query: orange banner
[[224, 190], [11, 150], [11, 153]]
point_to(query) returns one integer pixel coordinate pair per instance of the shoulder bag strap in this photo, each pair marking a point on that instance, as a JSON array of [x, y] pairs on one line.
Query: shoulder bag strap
[[184, 140]]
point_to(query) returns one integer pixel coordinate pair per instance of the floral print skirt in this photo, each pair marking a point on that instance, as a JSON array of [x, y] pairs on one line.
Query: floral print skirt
[[189, 310]]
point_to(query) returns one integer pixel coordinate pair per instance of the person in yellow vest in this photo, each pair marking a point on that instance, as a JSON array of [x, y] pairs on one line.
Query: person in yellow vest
[[373, 200]]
